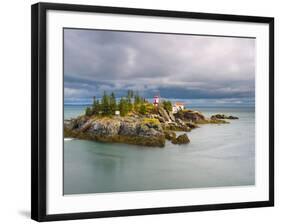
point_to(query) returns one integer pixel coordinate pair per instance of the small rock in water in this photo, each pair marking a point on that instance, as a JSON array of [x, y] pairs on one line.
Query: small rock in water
[[232, 117], [181, 139], [191, 125], [223, 116]]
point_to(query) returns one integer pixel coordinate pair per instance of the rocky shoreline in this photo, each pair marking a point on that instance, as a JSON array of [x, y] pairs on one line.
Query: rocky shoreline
[[146, 130]]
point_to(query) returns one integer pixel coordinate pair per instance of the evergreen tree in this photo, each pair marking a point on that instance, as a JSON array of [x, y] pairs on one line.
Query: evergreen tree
[[105, 104], [95, 106], [130, 94], [98, 107], [129, 105], [112, 103], [88, 111], [137, 99], [167, 105], [142, 109], [123, 107], [94, 101], [108, 104]]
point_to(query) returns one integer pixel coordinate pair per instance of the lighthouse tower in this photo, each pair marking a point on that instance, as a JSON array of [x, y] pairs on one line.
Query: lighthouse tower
[[156, 100]]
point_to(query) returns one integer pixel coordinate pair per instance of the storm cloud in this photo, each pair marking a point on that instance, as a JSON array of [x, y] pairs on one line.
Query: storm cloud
[[179, 66]]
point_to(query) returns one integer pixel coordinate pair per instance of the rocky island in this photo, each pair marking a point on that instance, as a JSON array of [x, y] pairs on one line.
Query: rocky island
[[134, 120]]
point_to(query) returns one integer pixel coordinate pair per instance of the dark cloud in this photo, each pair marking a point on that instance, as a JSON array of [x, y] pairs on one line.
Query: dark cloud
[[179, 66]]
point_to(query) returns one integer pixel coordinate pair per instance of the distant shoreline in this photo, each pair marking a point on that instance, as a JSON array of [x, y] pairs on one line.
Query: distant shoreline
[[191, 107]]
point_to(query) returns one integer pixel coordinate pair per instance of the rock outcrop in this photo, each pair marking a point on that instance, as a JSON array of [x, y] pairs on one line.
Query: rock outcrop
[[163, 113], [191, 125], [193, 118], [181, 139], [117, 129], [223, 116], [170, 135], [174, 126], [190, 115], [171, 115], [147, 130]]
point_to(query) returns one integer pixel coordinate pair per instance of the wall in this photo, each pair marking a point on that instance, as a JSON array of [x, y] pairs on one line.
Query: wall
[[15, 110]]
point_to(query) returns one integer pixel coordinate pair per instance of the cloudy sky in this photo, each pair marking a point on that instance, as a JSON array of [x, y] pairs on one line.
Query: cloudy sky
[[201, 70]]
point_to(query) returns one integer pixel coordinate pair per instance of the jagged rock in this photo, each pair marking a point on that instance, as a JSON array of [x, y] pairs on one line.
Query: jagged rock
[[179, 121], [150, 132], [173, 126], [190, 115], [104, 127], [223, 116], [161, 119], [232, 117], [150, 116], [171, 115], [170, 135], [81, 121], [75, 123], [128, 128], [86, 125], [147, 130], [191, 125], [124, 130], [181, 139], [154, 125], [69, 124], [212, 121], [163, 113]]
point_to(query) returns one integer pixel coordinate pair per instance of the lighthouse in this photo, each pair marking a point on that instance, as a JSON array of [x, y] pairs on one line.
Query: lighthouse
[[156, 100]]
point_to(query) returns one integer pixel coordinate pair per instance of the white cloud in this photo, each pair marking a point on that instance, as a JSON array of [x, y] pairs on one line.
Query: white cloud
[[106, 60]]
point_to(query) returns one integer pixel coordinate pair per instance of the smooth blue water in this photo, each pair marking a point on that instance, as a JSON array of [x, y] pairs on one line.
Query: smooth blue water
[[71, 111], [218, 155]]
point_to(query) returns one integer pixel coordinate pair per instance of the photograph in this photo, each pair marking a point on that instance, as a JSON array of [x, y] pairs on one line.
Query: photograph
[[151, 111]]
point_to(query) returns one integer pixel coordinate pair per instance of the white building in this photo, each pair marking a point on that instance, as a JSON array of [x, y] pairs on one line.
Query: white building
[[177, 107], [117, 113]]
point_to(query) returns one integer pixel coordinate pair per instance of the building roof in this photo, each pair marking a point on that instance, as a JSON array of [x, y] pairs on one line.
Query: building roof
[[179, 104]]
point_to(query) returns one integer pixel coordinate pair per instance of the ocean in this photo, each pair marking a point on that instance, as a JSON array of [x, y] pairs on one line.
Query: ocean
[[217, 156]]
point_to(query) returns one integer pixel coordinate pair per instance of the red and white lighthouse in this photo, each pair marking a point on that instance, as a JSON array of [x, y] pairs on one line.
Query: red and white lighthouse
[[156, 100]]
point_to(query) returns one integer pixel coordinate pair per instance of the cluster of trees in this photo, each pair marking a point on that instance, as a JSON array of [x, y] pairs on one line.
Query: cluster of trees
[[167, 105], [133, 102], [108, 104]]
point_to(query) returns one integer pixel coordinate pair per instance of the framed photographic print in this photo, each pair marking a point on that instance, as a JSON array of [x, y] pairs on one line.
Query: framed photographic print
[[140, 111]]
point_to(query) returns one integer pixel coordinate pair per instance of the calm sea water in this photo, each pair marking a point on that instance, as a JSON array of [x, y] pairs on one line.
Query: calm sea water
[[217, 156]]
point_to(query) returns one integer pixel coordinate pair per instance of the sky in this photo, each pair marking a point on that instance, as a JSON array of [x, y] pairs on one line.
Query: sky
[[199, 70]]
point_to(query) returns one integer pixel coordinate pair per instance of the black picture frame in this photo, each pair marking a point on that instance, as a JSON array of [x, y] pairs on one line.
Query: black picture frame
[[38, 109]]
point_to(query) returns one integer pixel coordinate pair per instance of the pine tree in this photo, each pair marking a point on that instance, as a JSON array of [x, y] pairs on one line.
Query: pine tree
[[112, 103], [130, 94], [95, 106], [142, 109], [123, 107], [137, 99], [105, 104], [98, 107], [130, 105], [167, 105], [88, 111]]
